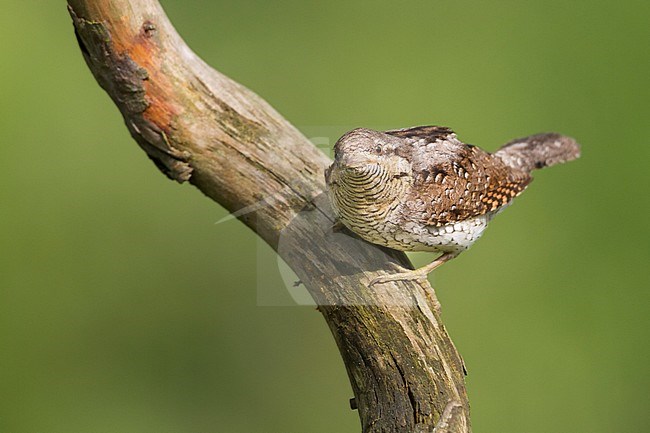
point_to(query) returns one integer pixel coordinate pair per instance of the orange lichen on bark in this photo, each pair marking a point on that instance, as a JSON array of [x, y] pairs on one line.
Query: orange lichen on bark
[[159, 91], [141, 45]]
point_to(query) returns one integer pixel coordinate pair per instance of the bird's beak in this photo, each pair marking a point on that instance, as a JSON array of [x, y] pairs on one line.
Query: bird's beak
[[354, 162]]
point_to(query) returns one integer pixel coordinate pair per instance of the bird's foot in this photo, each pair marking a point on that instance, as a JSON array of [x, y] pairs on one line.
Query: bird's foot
[[337, 226], [419, 275]]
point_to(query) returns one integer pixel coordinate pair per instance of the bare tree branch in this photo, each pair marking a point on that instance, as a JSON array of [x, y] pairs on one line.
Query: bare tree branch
[[199, 126]]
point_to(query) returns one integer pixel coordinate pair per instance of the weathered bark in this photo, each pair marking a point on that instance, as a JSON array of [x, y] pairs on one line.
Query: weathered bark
[[199, 126]]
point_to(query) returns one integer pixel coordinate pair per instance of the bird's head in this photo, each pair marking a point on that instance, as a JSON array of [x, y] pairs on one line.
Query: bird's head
[[365, 151]]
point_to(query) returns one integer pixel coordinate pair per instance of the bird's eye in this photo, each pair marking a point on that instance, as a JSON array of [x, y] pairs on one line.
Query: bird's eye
[[378, 149]]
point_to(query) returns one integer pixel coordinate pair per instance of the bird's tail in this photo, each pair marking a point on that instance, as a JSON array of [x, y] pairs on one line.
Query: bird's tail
[[538, 151]]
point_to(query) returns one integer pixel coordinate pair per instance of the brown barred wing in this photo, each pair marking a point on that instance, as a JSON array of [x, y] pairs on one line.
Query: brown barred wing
[[454, 181]]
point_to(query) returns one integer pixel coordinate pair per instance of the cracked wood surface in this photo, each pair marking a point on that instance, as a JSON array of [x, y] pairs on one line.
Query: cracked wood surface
[[199, 126]]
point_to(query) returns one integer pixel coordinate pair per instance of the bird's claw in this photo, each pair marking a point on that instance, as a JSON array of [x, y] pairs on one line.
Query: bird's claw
[[401, 276]]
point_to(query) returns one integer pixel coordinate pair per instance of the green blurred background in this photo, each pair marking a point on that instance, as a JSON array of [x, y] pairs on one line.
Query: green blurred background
[[124, 308]]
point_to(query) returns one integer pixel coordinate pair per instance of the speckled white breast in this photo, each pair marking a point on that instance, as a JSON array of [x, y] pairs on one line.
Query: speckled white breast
[[450, 237]]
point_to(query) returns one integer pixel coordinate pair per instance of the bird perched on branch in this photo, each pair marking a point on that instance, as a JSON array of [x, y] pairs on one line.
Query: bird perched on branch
[[422, 189]]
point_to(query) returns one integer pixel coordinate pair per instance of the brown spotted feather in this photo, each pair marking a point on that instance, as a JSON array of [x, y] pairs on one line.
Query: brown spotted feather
[[465, 183]]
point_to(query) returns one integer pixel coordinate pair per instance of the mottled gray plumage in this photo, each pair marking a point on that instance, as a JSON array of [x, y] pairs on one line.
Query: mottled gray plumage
[[422, 189]]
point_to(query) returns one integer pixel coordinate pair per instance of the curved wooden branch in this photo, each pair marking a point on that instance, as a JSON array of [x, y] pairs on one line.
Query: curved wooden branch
[[199, 126]]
